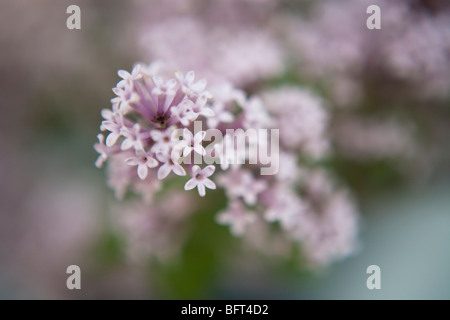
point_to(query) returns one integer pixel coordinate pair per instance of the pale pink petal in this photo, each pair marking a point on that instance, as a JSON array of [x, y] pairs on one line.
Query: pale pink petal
[[106, 114], [209, 170], [190, 76], [142, 171], [162, 156], [132, 161], [171, 83], [112, 139], [164, 171], [157, 81], [179, 75], [156, 135], [123, 74], [208, 112], [195, 170], [191, 184], [226, 116], [199, 85], [250, 198], [151, 162], [109, 125], [209, 184], [186, 151], [178, 170], [199, 136], [199, 149], [201, 189], [187, 135], [126, 144], [99, 162], [184, 121]]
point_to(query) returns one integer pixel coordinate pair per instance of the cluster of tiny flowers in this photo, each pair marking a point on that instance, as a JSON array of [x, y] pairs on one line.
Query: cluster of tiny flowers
[[412, 46], [142, 150], [147, 135], [309, 209], [145, 113]]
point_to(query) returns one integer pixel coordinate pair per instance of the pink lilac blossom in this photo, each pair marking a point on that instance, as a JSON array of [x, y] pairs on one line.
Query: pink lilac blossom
[[160, 107]]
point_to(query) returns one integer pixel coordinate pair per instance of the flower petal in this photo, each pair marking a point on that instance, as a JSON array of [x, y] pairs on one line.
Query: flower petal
[[142, 171], [151, 162], [132, 161], [199, 85], [190, 76], [199, 149], [157, 81], [195, 170], [163, 171], [226, 116], [209, 184], [201, 189], [187, 135], [207, 112], [186, 151], [191, 184], [178, 170], [126, 144], [106, 114], [199, 136], [209, 170], [112, 138], [156, 135], [123, 74]]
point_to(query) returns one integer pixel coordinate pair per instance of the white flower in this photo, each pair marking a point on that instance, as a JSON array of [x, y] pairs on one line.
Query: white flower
[[143, 160], [169, 165], [237, 217], [192, 143], [200, 179]]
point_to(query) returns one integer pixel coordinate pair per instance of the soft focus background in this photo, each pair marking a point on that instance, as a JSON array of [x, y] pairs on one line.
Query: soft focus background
[[387, 94]]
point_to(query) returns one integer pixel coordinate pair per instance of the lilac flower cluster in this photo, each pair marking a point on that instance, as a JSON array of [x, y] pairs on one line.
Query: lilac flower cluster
[[139, 144], [145, 113]]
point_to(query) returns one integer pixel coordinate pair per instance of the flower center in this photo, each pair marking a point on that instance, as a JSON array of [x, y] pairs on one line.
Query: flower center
[[161, 119]]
